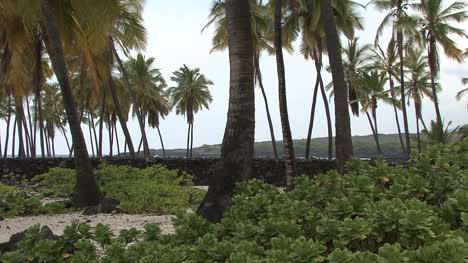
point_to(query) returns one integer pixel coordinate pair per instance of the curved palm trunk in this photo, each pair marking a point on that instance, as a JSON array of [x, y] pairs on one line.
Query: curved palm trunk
[[374, 116], [19, 123], [402, 88], [87, 190], [38, 78], [432, 66], [258, 75], [374, 134], [327, 109], [7, 137], [392, 93], [237, 149], [66, 138], [91, 137], [312, 117], [343, 142], [121, 118], [162, 143], [188, 140], [417, 112], [29, 133], [290, 161], [133, 97]]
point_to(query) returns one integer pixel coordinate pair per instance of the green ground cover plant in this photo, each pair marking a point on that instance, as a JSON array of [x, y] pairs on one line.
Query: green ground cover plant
[[154, 189], [372, 214]]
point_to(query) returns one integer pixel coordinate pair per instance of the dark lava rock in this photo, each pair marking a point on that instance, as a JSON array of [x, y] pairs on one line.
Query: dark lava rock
[[109, 205], [90, 210], [2, 218], [12, 244]]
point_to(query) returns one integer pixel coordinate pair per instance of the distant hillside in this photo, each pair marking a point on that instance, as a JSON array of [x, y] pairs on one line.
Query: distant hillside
[[364, 147]]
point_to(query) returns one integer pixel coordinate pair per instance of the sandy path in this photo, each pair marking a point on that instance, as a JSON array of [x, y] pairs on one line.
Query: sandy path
[[57, 223]]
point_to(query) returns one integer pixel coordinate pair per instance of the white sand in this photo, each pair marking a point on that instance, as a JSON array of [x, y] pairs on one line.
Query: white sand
[[57, 223]]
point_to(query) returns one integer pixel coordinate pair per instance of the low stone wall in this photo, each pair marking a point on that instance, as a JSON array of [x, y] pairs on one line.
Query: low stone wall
[[268, 170]]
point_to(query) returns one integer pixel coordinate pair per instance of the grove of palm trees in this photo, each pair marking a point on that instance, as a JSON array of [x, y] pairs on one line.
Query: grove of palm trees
[[120, 78]]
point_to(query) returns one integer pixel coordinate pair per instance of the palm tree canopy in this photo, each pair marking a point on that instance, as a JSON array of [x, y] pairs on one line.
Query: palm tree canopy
[[191, 93]]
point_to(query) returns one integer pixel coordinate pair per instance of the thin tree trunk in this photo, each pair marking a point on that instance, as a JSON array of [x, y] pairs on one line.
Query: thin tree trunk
[[53, 146], [237, 149], [417, 128], [125, 147], [312, 117], [258, 74], [392, 93], [162, 143], [101, 123], [402, 88], [121, 117], [343, 142], [191, 140], [93, 127], [19, 123], [91, 136], [376, 139], [327, 109], [66, 138], [7, 137], [87, 190], [290, 161], [38, 79], [432, 66], [374, 116], [139, 146], [28, 138], [47, 142], [117, 139], [32, 144], [133, 97], [423, 123], [14, 138], [111, 136], [188, 140]]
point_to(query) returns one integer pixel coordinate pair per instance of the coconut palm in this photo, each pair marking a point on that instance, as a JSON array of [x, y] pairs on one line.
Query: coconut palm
[[396, 16], [371, 90], [436, 29], [189, 96], [261, 24], [385, 63], [237, 149], [149, 86], [343, 143], [464, 91], [418, 85]]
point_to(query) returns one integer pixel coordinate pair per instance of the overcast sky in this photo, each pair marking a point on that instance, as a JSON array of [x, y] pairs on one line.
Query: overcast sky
[[175, 38]]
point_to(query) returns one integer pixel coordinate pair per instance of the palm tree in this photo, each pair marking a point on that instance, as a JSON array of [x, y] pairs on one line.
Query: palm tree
[[343, 143], [371, 90], [437, 30], [419, 83], [189, 96], [261, 39], [397, 16], [149, 86], [86, 187], [290, 159], [385, 62], [464, 91], [237, 149]]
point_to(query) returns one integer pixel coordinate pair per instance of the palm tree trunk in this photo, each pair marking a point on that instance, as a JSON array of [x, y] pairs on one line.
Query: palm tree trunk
[[423, 123], [27, 137], [162, 143], [133, 97], [121, 117], [111, 136], [101, 123], [374, 116], [343, 142], [258, 75], [374, 134], [19, 123], [14, 138], [237, 149], [432, 66], [7, 137], [116, 139], [139, 146], [93, 128], [32, 144], [188, 140], [312, 117], [392, 93], [402, 88], [91, 137], [290, 162], [38, 79], [417, 127], [327, 109], [191, 140], [87, 190], [53, 146], [66, 138]]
